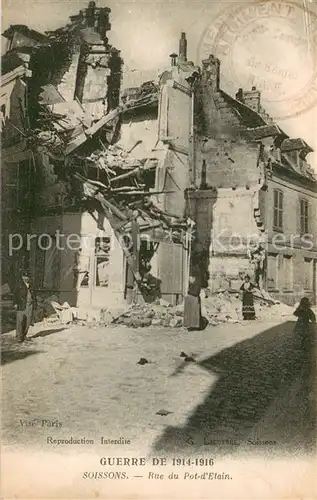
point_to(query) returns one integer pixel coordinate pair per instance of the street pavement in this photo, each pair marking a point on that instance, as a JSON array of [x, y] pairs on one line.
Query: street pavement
[[250, 388]]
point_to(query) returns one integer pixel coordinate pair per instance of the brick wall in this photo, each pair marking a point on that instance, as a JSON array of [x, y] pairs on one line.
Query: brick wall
[[220, 140], [67, 85], [292, 194], [83, 229], [225, 226], [176, 182], [230, 162]]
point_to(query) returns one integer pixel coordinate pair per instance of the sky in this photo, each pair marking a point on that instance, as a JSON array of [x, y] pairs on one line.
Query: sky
[[148, 31]]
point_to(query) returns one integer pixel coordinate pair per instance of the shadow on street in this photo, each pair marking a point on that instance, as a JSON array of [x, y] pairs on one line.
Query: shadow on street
[[251, 377], [8, 321], [10, 355], [11, 350], [45, 333]]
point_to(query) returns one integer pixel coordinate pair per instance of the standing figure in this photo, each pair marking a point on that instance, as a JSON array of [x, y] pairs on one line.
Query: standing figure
[[306, 317], [192, 304], [305, 342], [25, 302], [248, 311]]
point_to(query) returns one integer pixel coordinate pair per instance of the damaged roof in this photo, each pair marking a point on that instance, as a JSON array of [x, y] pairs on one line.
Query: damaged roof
[[263, 131], [50, 95], [297, 144], [247, 116], [33, 35], [147, 96]]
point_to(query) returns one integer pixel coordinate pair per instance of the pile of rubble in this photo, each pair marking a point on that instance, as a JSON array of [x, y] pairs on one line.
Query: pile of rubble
[[52, 311], [115, 157], [225, 307], [161, 313], [221, 307]]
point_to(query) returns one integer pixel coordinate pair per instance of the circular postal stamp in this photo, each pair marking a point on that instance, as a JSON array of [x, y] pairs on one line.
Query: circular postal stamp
[[270, 45]]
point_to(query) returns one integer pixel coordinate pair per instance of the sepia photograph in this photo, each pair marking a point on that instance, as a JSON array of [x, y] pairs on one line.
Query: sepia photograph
[[158, 249]]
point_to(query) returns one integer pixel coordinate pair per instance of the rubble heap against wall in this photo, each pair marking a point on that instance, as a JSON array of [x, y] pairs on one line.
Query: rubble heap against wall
[[104, 177]]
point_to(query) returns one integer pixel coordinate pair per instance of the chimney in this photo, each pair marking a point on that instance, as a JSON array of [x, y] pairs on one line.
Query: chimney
[[183, 47], [252, 99], [173, 59], [211, 71], [90, 14]]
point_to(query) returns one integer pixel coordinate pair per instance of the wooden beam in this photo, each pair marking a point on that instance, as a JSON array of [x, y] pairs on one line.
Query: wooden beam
[[78, 141]]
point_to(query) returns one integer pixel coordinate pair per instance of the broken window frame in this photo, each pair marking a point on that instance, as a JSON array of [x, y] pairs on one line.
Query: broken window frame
[[12, 184], [101, 254]]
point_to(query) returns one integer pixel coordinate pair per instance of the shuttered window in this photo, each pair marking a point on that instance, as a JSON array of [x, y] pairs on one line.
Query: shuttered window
[[278, 202], [304, 216]]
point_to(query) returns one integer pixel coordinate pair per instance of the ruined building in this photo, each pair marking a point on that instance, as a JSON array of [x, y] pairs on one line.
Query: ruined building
[[104, 213], [256, 206], [111, 195]]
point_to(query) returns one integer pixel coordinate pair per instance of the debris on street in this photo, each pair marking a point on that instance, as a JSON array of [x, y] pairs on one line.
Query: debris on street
[[163, 413], [217, 308], [142, 361], [189, 359]]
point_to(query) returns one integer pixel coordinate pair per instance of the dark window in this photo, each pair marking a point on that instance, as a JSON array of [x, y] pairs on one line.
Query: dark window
[[47, 263], [303, 216], [10, 184], [278, 210], [40, 265]]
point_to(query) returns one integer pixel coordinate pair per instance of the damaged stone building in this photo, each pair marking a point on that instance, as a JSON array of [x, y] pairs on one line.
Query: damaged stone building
[[111, 194], [256, 206], [105, 216]]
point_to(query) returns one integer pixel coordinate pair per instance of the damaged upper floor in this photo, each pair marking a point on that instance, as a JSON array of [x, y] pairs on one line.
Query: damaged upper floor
[[62, 92]]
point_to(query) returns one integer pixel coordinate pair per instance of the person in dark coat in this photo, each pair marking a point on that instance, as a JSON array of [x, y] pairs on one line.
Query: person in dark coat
[[192, 305], [305, 321], [305, 342], [304, 313], [24, 300], [248, 311]]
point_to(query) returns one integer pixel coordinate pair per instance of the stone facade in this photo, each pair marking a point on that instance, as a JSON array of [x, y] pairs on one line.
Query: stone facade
[[16, 168], [222, 161], [160, 130], [241, 159], [292, 249], [75, 72]]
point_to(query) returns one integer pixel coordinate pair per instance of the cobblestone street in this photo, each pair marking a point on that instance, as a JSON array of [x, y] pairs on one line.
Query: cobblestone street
[[247, 384]]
